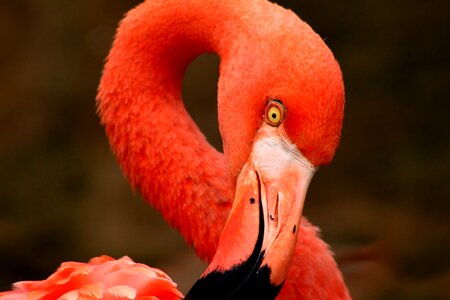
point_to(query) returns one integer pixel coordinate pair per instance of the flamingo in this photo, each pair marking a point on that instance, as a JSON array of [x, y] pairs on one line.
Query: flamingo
[[280, 105]]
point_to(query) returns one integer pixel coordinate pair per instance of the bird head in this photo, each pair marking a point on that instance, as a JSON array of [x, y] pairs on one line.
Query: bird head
[[281, 100]]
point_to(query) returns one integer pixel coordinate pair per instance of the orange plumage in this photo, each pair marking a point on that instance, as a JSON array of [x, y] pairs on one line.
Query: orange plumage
[[266, 53], [101, 278]]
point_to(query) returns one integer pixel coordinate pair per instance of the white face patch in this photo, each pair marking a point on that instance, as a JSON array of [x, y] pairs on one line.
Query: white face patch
[[274, 151]]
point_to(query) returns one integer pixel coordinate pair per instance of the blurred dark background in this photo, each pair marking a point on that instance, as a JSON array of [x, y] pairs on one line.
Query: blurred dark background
[[383, 204]]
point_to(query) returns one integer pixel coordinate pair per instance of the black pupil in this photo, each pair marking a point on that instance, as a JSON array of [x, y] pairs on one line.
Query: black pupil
[[274, 115]]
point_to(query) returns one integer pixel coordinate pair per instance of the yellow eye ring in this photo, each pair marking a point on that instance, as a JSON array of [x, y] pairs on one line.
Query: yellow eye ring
[[275, 113]]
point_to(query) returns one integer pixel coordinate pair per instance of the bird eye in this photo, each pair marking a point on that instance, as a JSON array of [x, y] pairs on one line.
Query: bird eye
[[275, 113]]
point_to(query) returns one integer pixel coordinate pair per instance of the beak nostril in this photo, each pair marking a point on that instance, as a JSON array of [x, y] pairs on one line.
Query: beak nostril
[[271, 217], [294, 229], [252, 200]]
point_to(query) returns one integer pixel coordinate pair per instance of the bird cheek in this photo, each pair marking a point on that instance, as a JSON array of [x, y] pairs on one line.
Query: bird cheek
[[297, 130]]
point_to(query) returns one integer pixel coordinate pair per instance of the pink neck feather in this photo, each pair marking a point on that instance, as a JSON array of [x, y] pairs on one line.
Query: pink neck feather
[[159, 147], [162, 151]]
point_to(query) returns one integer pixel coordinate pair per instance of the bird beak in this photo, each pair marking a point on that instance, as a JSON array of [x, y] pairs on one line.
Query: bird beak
[[259, 238]]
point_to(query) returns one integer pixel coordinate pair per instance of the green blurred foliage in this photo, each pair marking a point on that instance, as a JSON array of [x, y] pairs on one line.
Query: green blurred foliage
[[383, 204]]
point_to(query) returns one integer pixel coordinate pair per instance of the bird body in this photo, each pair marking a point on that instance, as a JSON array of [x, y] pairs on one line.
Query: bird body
[[101, 278], [269, 58], [159, 146]]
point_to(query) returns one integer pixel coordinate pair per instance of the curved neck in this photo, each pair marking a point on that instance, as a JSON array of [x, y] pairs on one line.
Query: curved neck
[[159, 147]]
